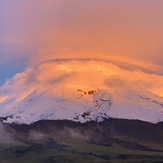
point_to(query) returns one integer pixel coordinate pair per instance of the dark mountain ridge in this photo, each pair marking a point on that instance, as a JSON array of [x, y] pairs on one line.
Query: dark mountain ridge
[[113, 140], [105, 130]]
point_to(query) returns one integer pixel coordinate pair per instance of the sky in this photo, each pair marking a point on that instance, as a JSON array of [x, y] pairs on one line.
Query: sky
[[34, 31]]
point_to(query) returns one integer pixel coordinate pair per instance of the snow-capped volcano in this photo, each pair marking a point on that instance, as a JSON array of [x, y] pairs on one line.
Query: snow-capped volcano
[[81, 106], [79, 92]]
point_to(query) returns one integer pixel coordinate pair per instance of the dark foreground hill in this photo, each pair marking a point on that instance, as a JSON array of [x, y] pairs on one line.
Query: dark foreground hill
[[114, 140]]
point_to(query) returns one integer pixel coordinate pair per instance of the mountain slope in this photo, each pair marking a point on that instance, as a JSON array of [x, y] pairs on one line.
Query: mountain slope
[[79, 92], [82, 106]]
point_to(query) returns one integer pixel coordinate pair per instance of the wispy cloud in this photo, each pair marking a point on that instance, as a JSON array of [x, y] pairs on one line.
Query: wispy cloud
[[5, 136], [50, 76]]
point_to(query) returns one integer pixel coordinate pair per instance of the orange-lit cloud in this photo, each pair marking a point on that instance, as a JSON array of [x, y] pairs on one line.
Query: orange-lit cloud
[[63, 76], [3, 98], [24, 95]]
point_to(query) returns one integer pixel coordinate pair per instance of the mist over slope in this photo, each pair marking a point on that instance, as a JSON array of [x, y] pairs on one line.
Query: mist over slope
[[82, 90]]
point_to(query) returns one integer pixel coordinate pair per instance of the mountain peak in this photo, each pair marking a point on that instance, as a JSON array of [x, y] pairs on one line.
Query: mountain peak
[[80, 91]]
